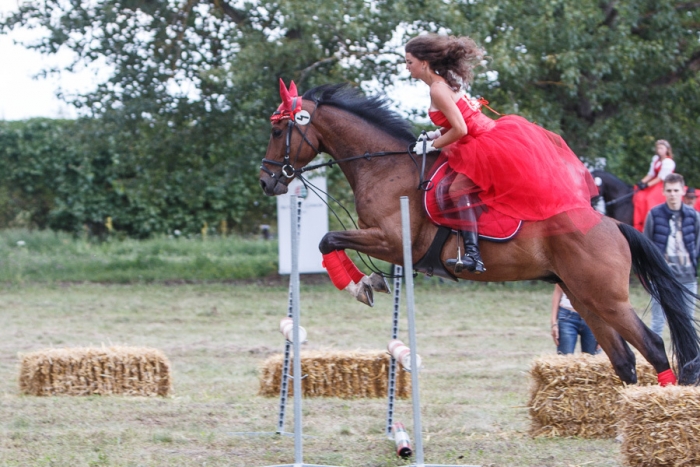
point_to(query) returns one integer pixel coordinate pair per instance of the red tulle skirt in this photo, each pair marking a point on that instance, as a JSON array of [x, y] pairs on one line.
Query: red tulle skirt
[[526, 172], [644, 200]]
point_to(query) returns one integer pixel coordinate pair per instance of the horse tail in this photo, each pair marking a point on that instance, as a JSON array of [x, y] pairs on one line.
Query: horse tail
[[658, 279]]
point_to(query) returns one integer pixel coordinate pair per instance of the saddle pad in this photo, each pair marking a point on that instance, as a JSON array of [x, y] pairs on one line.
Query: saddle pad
[[493, 225]]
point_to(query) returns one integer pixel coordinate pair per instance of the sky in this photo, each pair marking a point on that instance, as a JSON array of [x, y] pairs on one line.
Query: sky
[[23, 96]]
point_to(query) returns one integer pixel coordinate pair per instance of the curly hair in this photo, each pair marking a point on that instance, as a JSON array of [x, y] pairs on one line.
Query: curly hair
[[452, 57]]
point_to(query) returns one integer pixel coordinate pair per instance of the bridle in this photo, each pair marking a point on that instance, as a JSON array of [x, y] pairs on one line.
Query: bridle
[[286, 166], [288, 170]]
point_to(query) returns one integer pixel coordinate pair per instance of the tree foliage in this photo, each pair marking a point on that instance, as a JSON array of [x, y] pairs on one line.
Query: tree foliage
[[610, 76], [174, 137]]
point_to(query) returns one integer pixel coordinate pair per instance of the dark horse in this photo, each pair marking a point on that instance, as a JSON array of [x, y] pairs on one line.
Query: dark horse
[[617, 196], [593, 269]]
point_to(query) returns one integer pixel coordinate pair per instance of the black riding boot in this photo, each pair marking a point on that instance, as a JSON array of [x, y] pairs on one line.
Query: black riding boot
[[471, 260]]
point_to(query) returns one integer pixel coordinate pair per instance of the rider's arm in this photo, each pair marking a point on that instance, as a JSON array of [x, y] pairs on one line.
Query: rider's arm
[[556, 298], [651, 174], [441, 97]]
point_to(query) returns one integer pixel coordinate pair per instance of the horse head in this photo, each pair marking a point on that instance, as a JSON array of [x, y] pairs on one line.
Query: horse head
[[294, 142]]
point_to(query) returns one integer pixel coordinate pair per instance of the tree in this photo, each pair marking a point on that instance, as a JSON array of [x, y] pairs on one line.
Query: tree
[[181, 123], [610, 76], [185, 112]]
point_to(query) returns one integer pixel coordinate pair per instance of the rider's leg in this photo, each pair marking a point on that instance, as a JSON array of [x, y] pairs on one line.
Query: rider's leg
[[471, 260], [462, 192]]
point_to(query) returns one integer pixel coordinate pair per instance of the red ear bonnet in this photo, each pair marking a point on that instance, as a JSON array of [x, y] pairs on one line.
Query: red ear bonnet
[[291, 102]]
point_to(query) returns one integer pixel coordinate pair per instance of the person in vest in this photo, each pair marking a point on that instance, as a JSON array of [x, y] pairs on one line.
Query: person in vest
[[675, 230]]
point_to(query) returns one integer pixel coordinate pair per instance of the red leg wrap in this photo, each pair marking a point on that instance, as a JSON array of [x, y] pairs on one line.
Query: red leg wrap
[[336, 271], [667, 378], [355, 274]]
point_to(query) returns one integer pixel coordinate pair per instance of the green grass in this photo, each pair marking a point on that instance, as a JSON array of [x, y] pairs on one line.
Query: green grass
[[44, 256], [477, 343]]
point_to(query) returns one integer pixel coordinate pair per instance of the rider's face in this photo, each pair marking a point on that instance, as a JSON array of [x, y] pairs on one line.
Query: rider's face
[[414, 66], [661, 150]]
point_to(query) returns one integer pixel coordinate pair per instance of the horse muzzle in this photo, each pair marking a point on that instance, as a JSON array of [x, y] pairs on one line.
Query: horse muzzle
[[272, 186]]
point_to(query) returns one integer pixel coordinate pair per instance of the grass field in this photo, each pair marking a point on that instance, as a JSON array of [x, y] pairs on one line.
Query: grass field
[[477, 342], [45, 256]]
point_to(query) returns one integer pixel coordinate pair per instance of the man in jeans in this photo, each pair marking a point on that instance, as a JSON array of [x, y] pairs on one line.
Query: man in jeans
[[675, 230]]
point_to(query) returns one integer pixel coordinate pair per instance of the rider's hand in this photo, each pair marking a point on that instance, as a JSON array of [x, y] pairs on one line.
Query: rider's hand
[[435, 134], [418, 147], [642, 185]]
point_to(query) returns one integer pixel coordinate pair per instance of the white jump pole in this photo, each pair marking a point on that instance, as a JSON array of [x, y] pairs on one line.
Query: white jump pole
[[296, 378], [410, 309]]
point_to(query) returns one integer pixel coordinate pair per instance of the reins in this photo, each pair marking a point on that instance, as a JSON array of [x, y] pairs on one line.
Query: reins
[[621, 198]]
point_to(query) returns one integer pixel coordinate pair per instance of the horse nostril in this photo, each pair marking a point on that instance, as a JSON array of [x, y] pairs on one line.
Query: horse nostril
[[262, 184]]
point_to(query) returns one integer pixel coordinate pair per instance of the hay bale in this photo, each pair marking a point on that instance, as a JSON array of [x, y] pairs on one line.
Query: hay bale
[[83, 371], [660, 426], [578, 395], [337, 374]]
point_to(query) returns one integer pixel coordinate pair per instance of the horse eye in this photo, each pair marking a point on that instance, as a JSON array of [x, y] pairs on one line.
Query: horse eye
[[276, 132]]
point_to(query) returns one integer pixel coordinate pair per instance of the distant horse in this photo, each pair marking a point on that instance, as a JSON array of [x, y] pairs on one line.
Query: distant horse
[[617, 196], [369, 143]]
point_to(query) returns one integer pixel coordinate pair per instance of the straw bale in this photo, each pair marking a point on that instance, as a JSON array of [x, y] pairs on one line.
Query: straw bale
[[660, 426], [337, 374], [82, 371], [578, 395]]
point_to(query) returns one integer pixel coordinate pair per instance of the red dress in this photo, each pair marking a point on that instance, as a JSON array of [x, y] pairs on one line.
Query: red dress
[[522, 170], [644, 200]]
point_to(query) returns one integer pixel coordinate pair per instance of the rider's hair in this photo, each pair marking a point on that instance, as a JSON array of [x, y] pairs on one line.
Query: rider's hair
[[674, 178], [663, 142], [453, 58]]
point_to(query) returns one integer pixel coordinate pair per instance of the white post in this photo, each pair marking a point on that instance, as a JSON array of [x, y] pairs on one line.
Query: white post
[[410, 311]]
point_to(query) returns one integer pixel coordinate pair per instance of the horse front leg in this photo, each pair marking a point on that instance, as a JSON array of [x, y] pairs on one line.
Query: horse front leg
[[344, 274]]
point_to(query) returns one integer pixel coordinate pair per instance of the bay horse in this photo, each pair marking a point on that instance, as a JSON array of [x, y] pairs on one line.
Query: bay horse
[[369, 142], [617, 196]]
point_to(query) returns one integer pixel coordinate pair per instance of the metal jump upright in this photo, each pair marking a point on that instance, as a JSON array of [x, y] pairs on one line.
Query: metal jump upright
[[296, 377], [410, 311]]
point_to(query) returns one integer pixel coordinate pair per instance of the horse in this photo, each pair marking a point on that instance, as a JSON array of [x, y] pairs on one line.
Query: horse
[[369, 142], [617, 196]]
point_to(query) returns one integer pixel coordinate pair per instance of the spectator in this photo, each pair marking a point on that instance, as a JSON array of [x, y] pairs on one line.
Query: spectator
[[567, 325], [650, 189], [691, 198], [675, 230]]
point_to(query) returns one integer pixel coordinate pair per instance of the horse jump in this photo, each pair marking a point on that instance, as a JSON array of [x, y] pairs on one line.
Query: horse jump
[[368, 142]]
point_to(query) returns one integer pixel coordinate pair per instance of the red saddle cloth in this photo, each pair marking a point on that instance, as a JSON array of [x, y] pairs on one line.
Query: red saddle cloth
[[492, 225]]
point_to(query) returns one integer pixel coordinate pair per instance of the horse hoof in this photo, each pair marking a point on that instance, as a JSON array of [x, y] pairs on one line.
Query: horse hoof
[[362, 292], [365, 295], [378, 283]]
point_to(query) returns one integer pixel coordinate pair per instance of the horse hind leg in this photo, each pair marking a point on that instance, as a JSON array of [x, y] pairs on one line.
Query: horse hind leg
[[621, 356], [617, 326]]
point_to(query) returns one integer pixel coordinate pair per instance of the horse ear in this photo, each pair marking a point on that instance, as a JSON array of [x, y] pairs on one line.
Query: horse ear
[[293, 89], [285, 95]]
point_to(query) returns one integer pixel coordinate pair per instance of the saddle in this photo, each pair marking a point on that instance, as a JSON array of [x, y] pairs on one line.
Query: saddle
[[493, 226]]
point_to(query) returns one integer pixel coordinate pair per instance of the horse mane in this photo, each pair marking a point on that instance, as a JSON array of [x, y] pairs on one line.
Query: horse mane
[[374, 109]]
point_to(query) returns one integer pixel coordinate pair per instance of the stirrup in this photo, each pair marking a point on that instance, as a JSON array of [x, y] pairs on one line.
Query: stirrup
[[466, 262]]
